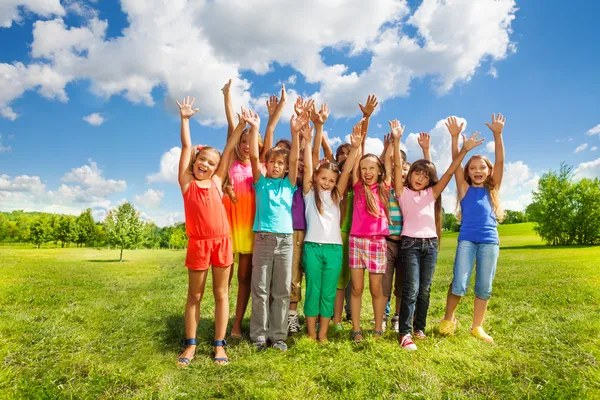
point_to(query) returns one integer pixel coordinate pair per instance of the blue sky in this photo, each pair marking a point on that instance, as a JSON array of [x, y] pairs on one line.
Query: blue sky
[[534, 62]]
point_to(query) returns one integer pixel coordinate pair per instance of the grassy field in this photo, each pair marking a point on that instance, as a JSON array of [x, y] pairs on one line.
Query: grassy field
[[76, 324]]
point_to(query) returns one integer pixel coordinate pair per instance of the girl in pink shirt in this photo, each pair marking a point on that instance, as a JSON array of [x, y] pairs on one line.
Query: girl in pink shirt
[[421, 205]]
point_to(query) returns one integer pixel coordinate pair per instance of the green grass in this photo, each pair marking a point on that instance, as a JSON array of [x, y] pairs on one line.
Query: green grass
[[76, 324]]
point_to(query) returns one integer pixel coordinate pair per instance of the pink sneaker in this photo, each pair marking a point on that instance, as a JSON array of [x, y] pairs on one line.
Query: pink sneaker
[[420, 335], [407, 343]]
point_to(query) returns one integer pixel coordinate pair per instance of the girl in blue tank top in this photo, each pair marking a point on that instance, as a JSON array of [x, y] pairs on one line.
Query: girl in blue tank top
[[478, 242]]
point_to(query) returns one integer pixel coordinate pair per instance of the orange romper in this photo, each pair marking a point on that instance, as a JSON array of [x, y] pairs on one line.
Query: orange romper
[[207, 228]]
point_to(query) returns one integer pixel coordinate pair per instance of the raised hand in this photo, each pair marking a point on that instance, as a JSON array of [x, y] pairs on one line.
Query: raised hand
[[319, 118], [272, 104], [226, 88], [185, 108], [424, 140], [299, 105], [251, 118], [453, 127], [369, 106], [397, 129], [497, 124], [472, 142], [283, 95], [306, 133], [356, 137], [297, 122]]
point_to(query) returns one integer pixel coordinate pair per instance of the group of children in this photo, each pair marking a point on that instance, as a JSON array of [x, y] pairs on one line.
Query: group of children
[[285, 212]]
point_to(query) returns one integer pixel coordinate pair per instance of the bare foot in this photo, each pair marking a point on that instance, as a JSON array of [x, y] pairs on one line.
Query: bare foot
[[187, 356]]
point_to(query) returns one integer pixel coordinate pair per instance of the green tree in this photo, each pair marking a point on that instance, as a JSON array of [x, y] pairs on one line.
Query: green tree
[[450, 223], [514, 217], [178, 238], [40, 231], [3, 226], [585, 226], [86, 227], [123, 227]]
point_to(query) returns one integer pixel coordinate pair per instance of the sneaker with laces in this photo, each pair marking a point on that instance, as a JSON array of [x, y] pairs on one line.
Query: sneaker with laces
[[396, 323], [407, 343], [384, 324], [420, 335], [280, 345], [293, 323], [479, 333]]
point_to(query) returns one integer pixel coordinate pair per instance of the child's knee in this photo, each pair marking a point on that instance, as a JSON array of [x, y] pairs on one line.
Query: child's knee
[[194, 298]]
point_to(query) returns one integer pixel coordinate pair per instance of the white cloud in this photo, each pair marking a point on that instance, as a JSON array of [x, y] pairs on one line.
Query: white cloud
[[594, 131], [169, 165], [451, 41], [594, 148], [292, 79], [517, 184], [94, 119], [589, 169], [581, 148], [4, 148], [151, 198], [493, 72], [8, 113], [23, 183], [10, 10], [94, 185], [490, 147], [334, 142]]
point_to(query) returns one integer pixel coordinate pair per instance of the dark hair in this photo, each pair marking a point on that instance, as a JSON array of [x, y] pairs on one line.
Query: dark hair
[[429, 168], [341, 147], [403, 155], [280, 152], [284, 143], [335, 194], [382, 191]]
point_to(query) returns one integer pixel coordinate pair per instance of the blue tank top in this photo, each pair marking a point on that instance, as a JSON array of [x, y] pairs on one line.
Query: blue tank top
[[479, 223]]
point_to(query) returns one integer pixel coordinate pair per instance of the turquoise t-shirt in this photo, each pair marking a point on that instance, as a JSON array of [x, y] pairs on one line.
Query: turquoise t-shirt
[[274, 205]]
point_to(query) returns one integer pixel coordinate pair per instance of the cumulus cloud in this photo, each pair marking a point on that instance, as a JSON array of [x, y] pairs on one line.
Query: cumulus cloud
[[448, 41], [12, 10], [490, 147], [94, 119], [169, 165], [517, 184], [589, 169], [594, 131], [594, 148], [580, 148], [90, 185], [151, 198], [23, 183]]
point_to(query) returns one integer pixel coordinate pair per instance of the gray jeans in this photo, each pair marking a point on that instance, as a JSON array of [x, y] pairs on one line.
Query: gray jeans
[[271, 278]]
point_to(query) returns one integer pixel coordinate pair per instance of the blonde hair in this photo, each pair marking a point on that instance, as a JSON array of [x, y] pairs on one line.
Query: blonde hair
[[489, 184], [429, 168], [196, 152], [238, 153], [335, 194], [382, 191]]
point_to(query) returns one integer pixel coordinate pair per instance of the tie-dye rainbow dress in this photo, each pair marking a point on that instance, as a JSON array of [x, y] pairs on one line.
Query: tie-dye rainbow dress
[[241, 214]]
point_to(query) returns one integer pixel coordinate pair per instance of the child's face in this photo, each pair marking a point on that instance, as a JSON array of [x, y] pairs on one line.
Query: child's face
[[369, 171], [419, 180], [276, 166], [343, 154], [478, 171], [245, 146], [326, 179], [405, 168], [206, 164]]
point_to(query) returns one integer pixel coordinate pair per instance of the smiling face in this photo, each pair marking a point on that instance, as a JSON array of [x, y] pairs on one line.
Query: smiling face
[[370, 170], [342, 154], [244, 146], [421, 175], [477, 170], [326, 179], [206, 164], [276, 166]]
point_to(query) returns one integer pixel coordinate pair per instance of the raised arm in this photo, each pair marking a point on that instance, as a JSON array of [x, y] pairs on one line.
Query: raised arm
[[318, 119], [296, 126], [397, 132], [468, 145], [355, 142], [455, 129], [327, 152], [232, 141], [387, 162], [185, 111], [254, 121], [275, 108], [425, 143], [497, 127], [386, 144], [367, 110], [228, 107], [355, 166], [309, 168]]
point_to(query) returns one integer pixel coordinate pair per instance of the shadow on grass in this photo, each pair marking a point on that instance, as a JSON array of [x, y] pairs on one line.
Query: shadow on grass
[[106, 261]]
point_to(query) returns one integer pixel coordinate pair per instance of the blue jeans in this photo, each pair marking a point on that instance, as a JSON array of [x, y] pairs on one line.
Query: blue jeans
[[486, 257], [419, 257]]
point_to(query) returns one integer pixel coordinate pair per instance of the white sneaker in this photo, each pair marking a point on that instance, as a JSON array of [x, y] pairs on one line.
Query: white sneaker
[[407, 343], [293, 323]]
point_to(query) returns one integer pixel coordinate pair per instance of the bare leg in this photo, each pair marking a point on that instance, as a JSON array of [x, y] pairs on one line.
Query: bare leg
[[221, 293], [293, 306], [311, 325], [451, 303], [358, 285], [196, 282], [338, 307], [324, 327], [480, 307], [379, 300], [244, 282]]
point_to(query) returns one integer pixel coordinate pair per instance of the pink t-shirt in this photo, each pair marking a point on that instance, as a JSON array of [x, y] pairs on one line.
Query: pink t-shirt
[[363, 223], [418, 211]]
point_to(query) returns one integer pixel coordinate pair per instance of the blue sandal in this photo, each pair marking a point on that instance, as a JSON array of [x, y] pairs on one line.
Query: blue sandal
[[355, 337], [184, 361], [225, 360]]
